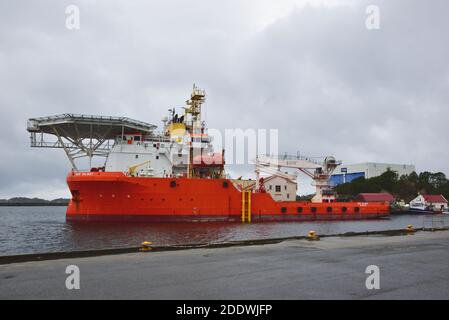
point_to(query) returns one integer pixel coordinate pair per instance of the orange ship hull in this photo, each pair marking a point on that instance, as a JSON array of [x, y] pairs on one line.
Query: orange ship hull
[[113, 196]]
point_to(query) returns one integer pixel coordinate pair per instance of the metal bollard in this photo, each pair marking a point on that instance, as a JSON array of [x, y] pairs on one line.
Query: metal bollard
[[145, 246], [312, 235]]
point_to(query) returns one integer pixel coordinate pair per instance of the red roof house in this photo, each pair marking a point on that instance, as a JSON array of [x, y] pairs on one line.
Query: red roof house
[[434, 198], [433, 202], [375, 197]]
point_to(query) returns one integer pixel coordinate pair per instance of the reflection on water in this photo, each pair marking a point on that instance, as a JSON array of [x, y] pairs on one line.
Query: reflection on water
[[44, 229]]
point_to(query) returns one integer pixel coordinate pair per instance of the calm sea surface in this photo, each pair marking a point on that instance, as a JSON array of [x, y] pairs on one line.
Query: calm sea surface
[[44, 229]]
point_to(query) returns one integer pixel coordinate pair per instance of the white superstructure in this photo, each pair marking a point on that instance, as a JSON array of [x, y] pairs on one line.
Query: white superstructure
[[133, 146]]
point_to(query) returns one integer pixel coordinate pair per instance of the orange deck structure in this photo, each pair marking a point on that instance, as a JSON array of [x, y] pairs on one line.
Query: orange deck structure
[[114, 196]]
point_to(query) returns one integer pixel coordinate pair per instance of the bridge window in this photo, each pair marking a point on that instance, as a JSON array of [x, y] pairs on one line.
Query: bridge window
[[329, 209], [299, 209], [356, 209], [313, 209], [344, 209], [278, 188], [136, 138], [283, 209]]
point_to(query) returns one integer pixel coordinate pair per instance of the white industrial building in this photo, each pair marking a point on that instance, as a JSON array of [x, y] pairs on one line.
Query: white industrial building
[[346, 173]]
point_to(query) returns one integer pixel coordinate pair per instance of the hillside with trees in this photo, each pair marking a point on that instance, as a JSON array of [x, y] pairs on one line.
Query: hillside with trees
[[31, 202], [404, 187]]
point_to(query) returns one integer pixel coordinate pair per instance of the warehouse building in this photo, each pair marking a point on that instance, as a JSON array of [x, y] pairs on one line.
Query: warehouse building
[[347, 173], [376, 197]]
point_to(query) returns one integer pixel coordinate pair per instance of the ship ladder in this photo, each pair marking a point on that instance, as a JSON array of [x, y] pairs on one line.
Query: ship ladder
[[246, 206]]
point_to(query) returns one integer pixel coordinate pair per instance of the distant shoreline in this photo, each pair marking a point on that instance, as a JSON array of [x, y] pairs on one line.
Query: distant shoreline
[[32, 202]]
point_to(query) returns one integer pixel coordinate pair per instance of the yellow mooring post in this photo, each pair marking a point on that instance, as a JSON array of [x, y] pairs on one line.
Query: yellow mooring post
[[312, 235], [146, 246]]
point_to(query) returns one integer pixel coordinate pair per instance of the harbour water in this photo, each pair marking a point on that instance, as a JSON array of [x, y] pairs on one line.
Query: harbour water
[[44, 229]]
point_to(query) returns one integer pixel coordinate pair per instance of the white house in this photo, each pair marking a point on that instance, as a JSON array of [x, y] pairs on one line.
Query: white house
[[431, 202], [281, 188]]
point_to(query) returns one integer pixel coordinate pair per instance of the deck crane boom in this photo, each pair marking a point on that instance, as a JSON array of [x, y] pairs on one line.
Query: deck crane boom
[[132, 170], [274, 172], [319, 171]]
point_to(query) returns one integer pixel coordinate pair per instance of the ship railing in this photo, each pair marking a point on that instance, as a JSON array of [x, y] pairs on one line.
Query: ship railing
[[36, 142], [33, 122], [157, 137], [436, 221], [82, 170]]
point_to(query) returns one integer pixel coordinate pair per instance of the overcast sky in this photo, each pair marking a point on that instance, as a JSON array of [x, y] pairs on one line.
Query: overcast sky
[[309, 68]]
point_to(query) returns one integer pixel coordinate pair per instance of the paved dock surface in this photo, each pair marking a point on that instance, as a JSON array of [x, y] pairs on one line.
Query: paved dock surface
[[411, 267]]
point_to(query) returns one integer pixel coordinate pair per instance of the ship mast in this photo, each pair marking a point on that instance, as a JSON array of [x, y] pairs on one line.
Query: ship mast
[[194, 124]]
